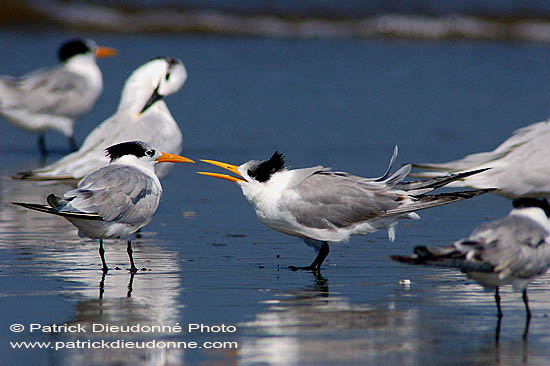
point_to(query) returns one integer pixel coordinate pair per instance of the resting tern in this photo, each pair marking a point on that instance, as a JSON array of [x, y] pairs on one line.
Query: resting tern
[[512, 250], [520, 166], [141, 115], [320, 206], [55, 98], [114, 201]]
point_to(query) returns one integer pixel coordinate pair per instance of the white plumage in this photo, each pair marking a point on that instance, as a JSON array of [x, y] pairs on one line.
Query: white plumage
[[320, 205], [509, 251], [141, 115], [114, 201], [519, 167], [54, 98]]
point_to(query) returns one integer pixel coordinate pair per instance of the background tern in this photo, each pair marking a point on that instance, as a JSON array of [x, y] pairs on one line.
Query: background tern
[[512, 250], [141, 115], [321, 206], [54, 98], [520, 166], [114, 201]]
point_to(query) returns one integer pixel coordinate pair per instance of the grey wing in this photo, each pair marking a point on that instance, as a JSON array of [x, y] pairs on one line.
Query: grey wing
[[116, 193], [328, 200], [513, 245], [49, 91]]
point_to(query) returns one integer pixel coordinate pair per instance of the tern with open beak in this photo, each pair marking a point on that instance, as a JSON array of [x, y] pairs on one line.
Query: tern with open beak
[[322, 206], [115, 201], [54, 98]]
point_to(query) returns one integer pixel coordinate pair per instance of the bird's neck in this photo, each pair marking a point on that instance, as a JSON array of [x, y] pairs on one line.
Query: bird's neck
[[535, 214], [86, 66], [137, 90], [267, 192], [147, 167]]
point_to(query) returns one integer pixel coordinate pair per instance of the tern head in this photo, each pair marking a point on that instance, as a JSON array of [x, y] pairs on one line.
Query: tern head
[[251, 171], [532, 202], [139, 152], [87, 47], [151, 82]]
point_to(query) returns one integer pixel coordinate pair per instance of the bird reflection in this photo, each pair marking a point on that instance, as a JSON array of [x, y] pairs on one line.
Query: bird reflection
[[117, 298], [525, 329], [318, 291], [130, 285], [126, 299], [314, 324]]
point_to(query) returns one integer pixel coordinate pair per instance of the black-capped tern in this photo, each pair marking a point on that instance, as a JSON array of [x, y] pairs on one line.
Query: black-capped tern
[[321, 206], [141, 115], [509, 251], [114, 201], [54, 98]]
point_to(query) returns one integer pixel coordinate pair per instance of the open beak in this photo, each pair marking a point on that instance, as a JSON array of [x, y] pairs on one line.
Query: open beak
[[171, 158], [105, 52], [230, 167]]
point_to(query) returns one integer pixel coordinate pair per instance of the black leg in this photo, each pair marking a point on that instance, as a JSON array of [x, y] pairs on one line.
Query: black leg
[[528, 313], [497, 299], [133, 268], [72, 144], [130, 284], [316, 264], [526, 302], [42, 145], [102, 255], [497, 330], [102, 285]]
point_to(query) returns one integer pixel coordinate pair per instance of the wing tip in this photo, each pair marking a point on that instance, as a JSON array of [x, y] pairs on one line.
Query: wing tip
[[45, 178]]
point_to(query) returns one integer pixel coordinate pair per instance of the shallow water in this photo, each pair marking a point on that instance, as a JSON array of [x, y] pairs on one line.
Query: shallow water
[[341, 103]]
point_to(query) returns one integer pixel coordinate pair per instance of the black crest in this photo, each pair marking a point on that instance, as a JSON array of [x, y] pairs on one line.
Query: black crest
[[263, 171], [71, 48], [532, 202], [137, 148]]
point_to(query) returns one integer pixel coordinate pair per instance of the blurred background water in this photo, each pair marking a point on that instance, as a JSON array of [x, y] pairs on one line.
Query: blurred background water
[[343, 102]]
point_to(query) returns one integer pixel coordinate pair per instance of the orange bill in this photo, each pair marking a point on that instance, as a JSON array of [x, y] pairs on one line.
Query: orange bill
[[232, 168], [171, 158], [105, 52]]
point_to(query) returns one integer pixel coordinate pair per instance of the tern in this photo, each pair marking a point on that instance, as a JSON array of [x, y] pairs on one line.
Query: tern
[[141, 115], [54, 98], [320, 206], [114, 201], [509, 251], [520, 166]]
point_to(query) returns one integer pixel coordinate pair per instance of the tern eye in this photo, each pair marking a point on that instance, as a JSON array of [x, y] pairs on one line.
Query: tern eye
[[150, 152]]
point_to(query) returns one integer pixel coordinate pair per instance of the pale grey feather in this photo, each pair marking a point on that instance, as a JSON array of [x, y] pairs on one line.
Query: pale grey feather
[[333, 199], [514, 246], [116, 193], [49, 91]]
